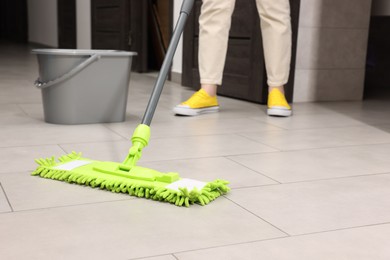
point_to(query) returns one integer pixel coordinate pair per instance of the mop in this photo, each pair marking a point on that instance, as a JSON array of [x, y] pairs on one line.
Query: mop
[[127, 177]]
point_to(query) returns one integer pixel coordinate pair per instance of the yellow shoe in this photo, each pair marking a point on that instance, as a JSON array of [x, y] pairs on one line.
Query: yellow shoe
[[199, 103], [277, 104]]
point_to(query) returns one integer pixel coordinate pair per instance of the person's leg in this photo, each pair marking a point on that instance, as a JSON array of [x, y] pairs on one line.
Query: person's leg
[[214, 26], [277, 41]]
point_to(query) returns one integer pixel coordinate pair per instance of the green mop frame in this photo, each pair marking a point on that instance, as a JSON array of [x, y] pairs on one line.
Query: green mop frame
[[127, 177]]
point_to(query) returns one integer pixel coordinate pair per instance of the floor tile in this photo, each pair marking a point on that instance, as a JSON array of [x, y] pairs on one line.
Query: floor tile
[[25, 92], [13, 115], [173, 148], [320, 206], [192, 126], [10, 110], [358, 244], [127, 229], [17, 159], [319, 164], [321, 138], [44, 134], [26, 192], [33, 110]]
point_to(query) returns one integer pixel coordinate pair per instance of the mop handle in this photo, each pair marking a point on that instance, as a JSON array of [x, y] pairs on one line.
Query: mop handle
[[162, 76]]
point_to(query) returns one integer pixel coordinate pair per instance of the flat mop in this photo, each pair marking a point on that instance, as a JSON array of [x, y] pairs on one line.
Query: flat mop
[[127, 177]]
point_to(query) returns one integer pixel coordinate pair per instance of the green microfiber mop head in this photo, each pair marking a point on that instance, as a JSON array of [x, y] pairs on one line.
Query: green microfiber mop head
[[127, 178]]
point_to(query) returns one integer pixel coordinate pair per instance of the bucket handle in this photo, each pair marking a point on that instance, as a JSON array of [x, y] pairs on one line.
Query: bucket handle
[[41, 85]]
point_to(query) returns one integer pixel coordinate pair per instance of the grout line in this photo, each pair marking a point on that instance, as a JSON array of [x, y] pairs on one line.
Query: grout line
[[256, 141], [314, 180], [6, 197], [23, 111], [233, 244], [341, 229], [130, 198], [115, 132], [59, 145], [152, 256], [284, 232], [264, 175], [308, 149], [279, 238]]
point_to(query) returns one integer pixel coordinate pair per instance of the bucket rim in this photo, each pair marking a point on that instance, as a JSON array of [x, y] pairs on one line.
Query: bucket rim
[[78, 52]]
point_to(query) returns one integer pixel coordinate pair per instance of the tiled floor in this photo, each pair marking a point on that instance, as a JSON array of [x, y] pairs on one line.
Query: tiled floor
[[313, 186]]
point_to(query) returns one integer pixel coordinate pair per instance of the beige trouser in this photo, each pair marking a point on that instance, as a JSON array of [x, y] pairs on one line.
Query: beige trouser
[[215, 21]]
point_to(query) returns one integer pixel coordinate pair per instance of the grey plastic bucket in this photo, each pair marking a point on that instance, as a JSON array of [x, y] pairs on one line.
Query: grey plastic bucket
[[83, 86]]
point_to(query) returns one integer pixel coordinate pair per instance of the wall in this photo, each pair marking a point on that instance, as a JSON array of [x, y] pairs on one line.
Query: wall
[[42, 22], [83, 19], [332, 46], [178, 59]]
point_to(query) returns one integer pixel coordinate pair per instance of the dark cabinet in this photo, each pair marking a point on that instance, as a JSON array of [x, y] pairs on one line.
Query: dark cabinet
[[244, 73], [67, 31]]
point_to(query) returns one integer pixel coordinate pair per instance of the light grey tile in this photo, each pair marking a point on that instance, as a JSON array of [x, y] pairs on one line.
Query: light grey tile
[[33, 110], [335, 13], [208, 169], [17, 159], [13, 115], [4, 205], [26, 192], [328, 85], [320, 164], [18, 90], [324, 48], [173, 148], [44, 134], [195, 126], [10, 110], [127, 229], [308, 121], [358, 244], [319, 206], [321, 138]]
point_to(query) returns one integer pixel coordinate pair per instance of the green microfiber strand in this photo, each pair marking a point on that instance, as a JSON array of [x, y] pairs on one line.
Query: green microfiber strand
[[90, 175]]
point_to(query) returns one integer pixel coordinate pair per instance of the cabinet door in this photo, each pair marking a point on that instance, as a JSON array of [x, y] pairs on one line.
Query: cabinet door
[[244, 73], [121, 25], [66, 10]]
